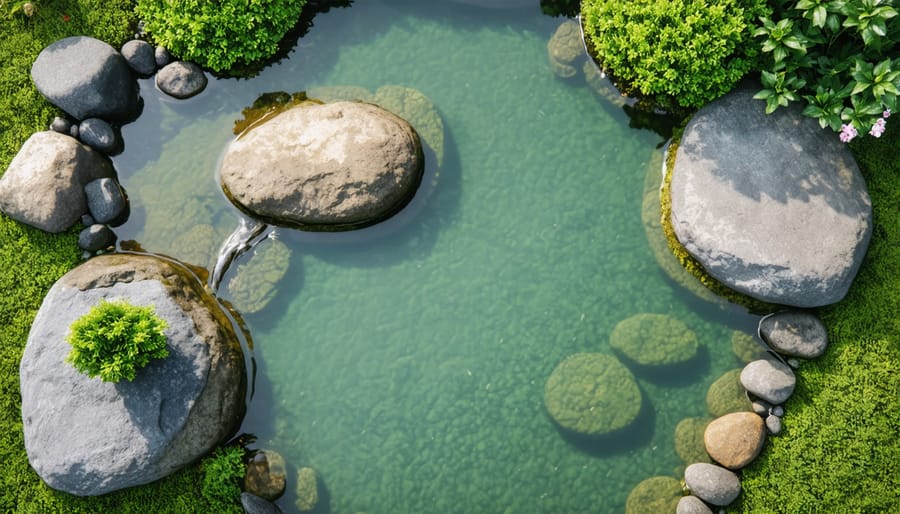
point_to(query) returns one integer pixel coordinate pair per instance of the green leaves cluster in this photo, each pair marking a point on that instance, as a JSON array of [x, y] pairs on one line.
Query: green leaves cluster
[[222, 474], [679, 53], [838, 57], [220, 34], [115, 339]]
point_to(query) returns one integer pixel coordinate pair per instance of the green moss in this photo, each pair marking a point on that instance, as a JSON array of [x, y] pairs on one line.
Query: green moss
[[222, 474], [841, 439], [654, 340]]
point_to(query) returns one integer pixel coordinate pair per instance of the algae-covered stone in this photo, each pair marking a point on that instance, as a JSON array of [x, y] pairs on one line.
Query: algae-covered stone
[[197, 245], [265, 475], [592, 394], [256, 280], [655, 495], [654, 340], [307, 490], [746, 347], [727, 395], [689, 444], [565, 48]]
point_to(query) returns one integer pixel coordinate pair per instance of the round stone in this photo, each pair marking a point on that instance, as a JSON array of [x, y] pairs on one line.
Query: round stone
[[61, 125], [773, 424], [712, 484], [98, 134], [654, 495], [253, 504], [107, 201], [777, 410], [769, 379], [139, 55], [181, 79], [592, 394], [266, 475], [689, 443], [96, 237], [795, 334], [256, 280], [761, 408], [735, 439], [565, 48], [161, 56], [727, 394], [307, 490], [324, 167], [692, 505], [654, 340]]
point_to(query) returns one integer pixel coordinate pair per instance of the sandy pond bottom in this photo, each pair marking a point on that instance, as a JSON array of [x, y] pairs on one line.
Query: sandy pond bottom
[[406, 363]]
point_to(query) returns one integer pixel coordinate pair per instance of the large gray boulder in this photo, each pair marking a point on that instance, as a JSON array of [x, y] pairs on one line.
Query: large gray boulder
[[89, 437], [44, 184], [87, 78], [328, 167], [771, 205]]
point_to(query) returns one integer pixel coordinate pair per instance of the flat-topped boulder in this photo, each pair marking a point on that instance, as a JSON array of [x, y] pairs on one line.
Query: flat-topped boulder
[[654, 340], [89, 437], [324, 167], [771, 205], [44, 184], [87, 78]]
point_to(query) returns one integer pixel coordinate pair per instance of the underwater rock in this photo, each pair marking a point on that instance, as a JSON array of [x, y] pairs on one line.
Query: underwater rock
[[746, 348], [197, 245], [712, 484], [653, 496], [735, 439], [592, 394], [565, 48], [307, 490], [256, 280], [87, 78], [795, 334], [654, 340], [96, 237], [769, 379], [727, 395], [140, 56], [355, 165], [692, 505], [266, 475], [88, 437], [689, 444], [44, 184], [181, 79], [107, 201], [772, 206]]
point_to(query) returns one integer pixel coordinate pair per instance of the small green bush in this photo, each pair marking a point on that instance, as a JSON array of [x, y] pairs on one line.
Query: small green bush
[[115, 339], [222, 475], [220, 34], [677, 53]]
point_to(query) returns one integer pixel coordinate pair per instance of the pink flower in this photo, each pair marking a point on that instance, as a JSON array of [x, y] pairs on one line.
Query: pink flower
[[877, 128], [886, 114], [848, 132]]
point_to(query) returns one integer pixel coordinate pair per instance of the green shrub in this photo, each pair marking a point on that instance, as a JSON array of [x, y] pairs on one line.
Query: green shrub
[[222, 475], [677, 53], [834, 56], [219, 34], [115, 339]]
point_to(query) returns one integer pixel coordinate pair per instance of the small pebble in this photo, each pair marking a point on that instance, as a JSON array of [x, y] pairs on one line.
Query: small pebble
[[760, 407], [73, 130], [162, 56], [773, 423], [61, 125], [87, 220], [777, 410]]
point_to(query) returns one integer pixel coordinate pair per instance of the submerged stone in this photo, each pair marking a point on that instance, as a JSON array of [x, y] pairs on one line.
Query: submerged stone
[[256, 280], [307, 490], [689, 444], [727, 394], [592, 394], [653, 496], [654, 340], [746, 347], [266, 475], [565, 49], [328, 167]]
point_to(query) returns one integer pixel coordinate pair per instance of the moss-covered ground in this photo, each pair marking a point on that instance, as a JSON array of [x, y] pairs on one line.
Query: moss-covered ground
[[30, 261]]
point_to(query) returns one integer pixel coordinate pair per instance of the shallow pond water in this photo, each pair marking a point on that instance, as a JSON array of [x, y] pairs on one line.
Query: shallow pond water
[[406, 362]]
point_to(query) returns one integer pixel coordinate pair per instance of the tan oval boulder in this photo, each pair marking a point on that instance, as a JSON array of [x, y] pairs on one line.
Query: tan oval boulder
[[735, 439]]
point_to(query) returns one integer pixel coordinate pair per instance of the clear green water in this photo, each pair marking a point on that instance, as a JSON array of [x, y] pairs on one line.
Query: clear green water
[[406, 363]]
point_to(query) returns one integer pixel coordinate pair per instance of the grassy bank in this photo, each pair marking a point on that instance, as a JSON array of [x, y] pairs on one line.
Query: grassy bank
[[30, 261]]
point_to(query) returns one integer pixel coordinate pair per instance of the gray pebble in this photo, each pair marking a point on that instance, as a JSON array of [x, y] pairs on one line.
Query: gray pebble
[[73, 130], [794, 333], [712, 484], [98, 134], [692, 505], [61, 125], [162, 56], [769, 380], [140, 57], [87, 220], [96, 237], [773, 423], [760, 407], [181, 79], [107, 201], [777, 410], [255, 505]]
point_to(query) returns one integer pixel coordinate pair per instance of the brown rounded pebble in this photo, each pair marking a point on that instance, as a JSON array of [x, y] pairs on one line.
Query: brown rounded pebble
[[735, 439]]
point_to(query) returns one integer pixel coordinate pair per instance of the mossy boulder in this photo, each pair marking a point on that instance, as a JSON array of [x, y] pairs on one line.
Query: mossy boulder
[[565, 49], [307, 490], [746, 347], [256, 281], [655, 495], [592, 394], [689, 444], [727, 395], [654, 340]]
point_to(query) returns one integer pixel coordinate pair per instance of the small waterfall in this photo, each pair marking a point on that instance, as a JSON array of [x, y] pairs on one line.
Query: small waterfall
[[247, 235]]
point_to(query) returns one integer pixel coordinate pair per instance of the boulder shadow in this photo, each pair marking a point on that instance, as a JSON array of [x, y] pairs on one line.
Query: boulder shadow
[[636, 435], [681, 374]]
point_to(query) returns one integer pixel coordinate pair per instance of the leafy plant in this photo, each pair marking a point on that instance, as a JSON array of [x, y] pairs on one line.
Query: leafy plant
[[115, 339], [834, 56], [220, 34], [679, 53], [222, 474]]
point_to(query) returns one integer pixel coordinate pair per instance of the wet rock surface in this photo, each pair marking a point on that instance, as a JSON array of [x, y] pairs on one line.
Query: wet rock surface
[[795, 334], [771, 205], [44, 184], [689, 444], [106, 201], [253, 504], [769, 379], [712, 484], [592, 394], [98, 134], [326, 167], [266, 475], [181, 79], [87, 78], [692, 505], [88, 437], [96, 237]]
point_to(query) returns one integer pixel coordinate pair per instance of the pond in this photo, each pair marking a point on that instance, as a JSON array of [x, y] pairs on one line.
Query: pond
[[406, 362]]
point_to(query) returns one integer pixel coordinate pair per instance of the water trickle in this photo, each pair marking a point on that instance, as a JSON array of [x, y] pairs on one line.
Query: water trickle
[[247, 235]]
